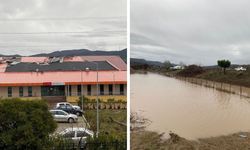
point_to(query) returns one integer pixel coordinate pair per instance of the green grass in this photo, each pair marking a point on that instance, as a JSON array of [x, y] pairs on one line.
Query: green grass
[[231, 76], [107, 126]]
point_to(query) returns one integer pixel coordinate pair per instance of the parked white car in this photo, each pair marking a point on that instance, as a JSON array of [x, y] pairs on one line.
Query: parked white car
[[66, 104], [177, 68], [62, 116], [77, 134]]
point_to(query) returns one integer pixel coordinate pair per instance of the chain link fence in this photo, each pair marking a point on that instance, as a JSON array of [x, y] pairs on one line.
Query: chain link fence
[[226, 87]]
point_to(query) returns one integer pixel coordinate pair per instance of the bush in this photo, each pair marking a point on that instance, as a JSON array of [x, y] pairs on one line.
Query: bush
[[191, 71], [106, 142], [85, 100], [25, 124]]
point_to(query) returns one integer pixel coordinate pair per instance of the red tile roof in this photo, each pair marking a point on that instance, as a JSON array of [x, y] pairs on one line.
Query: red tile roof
[[115, 61], [34, 59], [66, 77], [69, 77]]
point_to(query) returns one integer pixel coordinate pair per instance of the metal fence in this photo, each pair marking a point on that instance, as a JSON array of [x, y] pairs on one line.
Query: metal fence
[[226, 87], [107, 105], [116, 145]]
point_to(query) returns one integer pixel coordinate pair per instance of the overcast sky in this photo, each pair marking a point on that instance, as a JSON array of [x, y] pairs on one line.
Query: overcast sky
[[191, 31], [34, 26]]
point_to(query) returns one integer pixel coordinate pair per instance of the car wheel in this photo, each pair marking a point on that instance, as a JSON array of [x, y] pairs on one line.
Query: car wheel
[[78, 114], [70, 120]]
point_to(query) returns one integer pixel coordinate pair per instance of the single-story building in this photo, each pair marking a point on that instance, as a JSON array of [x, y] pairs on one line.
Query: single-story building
[[63, 78]]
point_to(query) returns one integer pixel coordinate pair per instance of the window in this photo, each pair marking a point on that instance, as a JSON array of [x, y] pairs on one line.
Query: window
[[68, 106], [101, 89], [69, 134], [110, 89], [20, 91], [122, 89], [81, 134], [30, 91], [61, 105], [89, 89], [70, 90], [61, 113], [79, 90], [9, 91]]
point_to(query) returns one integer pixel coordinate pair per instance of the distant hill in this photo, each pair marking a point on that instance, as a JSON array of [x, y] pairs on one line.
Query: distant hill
[[10, 55], [84, 52], [137, 62], [78, 52]]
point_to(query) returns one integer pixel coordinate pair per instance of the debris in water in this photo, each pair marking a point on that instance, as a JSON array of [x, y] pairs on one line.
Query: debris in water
[[243, 136]]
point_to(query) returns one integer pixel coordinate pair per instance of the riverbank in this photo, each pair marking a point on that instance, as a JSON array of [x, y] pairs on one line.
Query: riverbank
[[233, 77], [152, 140], [241, 78]]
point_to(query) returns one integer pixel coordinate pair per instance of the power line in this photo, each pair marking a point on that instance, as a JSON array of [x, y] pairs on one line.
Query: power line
[[61, 45], [77, 32], [63, 19]]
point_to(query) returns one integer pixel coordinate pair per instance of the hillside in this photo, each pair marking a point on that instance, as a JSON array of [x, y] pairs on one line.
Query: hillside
[[141, 62], [84, 52], [78, 52]]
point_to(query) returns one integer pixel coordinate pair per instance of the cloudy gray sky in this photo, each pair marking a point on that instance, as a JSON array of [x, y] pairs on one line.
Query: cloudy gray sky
[[34, 26], [191, 31]]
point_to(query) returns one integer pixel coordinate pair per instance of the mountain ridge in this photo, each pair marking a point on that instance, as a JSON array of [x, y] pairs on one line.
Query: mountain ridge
[[78, 52]]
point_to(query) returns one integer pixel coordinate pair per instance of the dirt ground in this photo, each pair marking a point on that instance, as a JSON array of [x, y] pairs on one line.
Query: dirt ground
[[147, 140]]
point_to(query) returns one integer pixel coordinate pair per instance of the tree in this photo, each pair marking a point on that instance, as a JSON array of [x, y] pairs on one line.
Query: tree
[[25, 124], [167, 64], [224, 64], [191, 71]]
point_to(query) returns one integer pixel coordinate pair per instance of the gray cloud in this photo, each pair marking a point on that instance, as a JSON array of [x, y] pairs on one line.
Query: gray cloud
[[192, 31], [61, 24]]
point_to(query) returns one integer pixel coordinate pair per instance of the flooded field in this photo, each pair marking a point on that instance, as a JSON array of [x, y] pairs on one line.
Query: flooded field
[[190, 110]]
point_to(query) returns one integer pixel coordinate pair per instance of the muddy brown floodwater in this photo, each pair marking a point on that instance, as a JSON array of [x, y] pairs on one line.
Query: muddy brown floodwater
[[192, 111]]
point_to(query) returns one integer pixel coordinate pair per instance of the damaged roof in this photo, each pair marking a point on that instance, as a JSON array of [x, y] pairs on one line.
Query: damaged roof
[[57, 66]]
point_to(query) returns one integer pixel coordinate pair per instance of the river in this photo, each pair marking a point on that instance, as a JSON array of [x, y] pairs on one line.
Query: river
[[192, 111]]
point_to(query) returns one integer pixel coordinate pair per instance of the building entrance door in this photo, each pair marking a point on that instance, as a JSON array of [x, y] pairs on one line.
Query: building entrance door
[[53, 90]]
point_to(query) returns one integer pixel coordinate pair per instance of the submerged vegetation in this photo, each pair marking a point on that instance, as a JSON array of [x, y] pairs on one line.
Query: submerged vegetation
[[142, 139], [224, 72]]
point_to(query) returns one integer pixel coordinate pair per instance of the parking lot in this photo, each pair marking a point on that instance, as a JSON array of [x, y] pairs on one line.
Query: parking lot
[[63, 125]]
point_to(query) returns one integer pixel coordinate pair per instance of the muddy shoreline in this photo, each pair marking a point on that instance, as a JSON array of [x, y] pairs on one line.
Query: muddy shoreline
[[144, 139]]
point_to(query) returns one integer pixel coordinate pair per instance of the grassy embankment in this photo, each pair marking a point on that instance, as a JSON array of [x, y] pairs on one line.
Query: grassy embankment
[[147, 140], [233, 77], [107, 126]]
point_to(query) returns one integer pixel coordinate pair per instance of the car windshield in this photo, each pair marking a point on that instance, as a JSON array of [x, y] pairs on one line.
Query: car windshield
[[62, 106], [61, 113], [69, 106]]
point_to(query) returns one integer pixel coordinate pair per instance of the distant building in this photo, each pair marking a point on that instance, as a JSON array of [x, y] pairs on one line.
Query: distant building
[[240, 69], [177, 67], [63, 78]]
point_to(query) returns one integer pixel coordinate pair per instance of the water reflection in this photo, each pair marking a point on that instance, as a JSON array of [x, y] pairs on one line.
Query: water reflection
[[190, 110]]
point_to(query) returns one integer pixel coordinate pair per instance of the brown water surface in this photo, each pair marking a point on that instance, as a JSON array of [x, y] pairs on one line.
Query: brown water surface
[[190, 110]]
